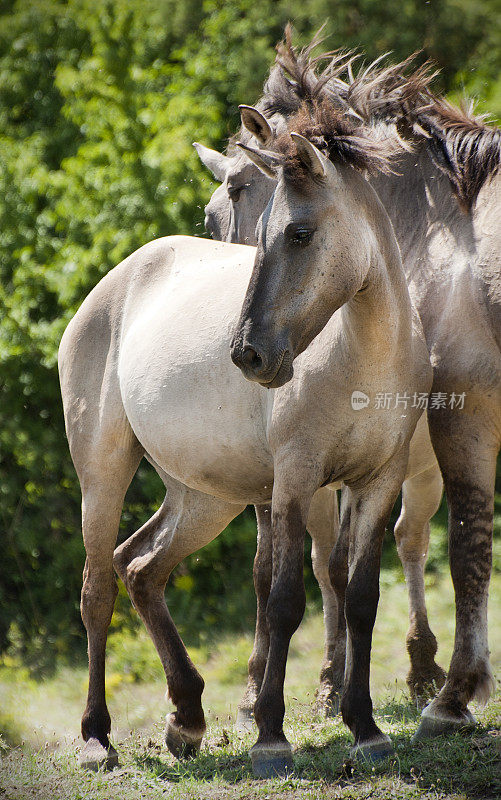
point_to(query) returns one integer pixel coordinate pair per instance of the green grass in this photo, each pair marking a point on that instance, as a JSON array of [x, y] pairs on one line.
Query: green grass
[[40, 723]]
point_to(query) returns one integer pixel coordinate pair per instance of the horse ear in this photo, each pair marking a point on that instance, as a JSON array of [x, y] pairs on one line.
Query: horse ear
[[257, 124], [264, 160], [216, 162], [314, 161]]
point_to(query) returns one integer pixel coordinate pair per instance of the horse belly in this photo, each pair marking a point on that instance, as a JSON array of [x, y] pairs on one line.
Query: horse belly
[[189, 406]]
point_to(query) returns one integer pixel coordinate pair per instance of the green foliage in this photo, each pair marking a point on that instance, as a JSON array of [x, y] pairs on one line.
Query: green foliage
[[99, 105]]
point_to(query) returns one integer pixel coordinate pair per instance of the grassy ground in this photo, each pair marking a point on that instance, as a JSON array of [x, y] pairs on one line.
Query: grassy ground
[[40, 724]]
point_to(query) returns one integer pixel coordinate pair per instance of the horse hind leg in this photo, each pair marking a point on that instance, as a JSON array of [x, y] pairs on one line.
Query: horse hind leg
[[421, 495], [186, 521], [323, 527], [338, 574], [466, 445], [104, 484], [259, 655]]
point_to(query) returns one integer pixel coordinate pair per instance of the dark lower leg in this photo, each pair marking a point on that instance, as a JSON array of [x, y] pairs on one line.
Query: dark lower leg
[[323, 527], [338, 573], [98, 597], [144, 569], [284, 612], [184, 684], [420, 640], [104, 477], [466, 450], [421, 495], [370, 511], [362, 597], [470, 555], [186, 521], [425, 676], [262, 584]]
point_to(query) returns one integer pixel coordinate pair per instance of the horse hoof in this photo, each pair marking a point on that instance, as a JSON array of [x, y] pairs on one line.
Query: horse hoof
[[181, 744], [94, 756], [373, 751], [432, 726], [272, 760], [245, 721]]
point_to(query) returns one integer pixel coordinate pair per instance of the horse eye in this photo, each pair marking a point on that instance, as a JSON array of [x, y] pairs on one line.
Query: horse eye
[[234, 193], [301, 237]]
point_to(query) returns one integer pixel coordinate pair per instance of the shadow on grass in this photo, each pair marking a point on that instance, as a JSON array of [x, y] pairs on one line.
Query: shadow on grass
[[207, 766], [397, 711], [457, 763], [468, 763]]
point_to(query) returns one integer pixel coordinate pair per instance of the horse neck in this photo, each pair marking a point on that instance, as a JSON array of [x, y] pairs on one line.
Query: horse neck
[[434, 234], [450, 255], [380, 315], [485, 216]]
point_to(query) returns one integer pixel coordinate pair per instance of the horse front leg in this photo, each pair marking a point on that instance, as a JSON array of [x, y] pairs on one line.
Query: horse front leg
[[323, 527], [421, 495], [259, 655], [466, 446], [323, 524], [272, 753], [370, 510]]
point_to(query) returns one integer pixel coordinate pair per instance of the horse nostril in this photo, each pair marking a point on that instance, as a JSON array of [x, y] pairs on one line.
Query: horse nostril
[[251, 359]]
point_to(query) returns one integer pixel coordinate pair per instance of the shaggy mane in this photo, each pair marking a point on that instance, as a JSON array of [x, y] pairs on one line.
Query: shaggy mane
[[387, 92], [339, 137], [294, 78], [375, 91], [322, 98], [462, 145]]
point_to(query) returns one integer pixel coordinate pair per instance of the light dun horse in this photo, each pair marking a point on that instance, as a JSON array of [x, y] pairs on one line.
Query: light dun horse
[[145, 371], [444, 205], [232, 215]]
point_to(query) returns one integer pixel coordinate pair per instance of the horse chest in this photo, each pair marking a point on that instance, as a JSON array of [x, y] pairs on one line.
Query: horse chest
[[346, 419]]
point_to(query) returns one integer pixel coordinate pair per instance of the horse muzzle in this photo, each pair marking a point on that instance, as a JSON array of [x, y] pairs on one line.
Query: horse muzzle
[[270, 370]]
